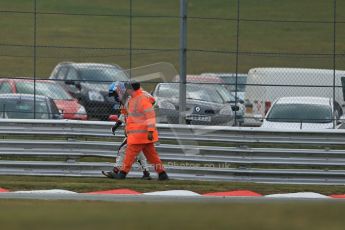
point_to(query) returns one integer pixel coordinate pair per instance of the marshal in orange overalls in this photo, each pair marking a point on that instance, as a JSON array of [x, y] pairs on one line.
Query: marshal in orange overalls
[[141, 120]]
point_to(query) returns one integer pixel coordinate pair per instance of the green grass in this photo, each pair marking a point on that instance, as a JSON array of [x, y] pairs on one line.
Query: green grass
[[163, 33], [237, 214], [29, 214], [14, 183]]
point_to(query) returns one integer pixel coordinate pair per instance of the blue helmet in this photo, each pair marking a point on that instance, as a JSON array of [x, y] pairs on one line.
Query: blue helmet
[[112, 88], [121, 87], [117, 90]]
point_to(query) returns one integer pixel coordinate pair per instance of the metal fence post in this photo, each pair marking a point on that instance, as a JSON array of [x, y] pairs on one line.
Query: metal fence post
[[130, 37], [183, 60], [34, 54], [334, 54], [237, 53]]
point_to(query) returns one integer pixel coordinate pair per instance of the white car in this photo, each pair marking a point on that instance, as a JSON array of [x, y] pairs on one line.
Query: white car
[[303, 113], [265, 85]]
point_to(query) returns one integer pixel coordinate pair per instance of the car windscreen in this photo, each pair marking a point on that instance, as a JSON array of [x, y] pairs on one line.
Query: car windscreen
[[193, 92], [224, 93], [49, 89], [231, 82], [306, 113], [23, 109], [102, 74]]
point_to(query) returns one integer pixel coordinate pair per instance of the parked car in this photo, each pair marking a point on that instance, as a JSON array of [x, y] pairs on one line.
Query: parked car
[[303, 113], [68, 106], [203, 106], [267, 84], [238, 108], [219, 87], [88, 82], [235, 83], [27, 106], [204, 79]]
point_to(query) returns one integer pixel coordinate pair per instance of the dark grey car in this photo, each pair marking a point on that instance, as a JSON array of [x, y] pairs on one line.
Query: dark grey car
[[89, 82], [204, 106]]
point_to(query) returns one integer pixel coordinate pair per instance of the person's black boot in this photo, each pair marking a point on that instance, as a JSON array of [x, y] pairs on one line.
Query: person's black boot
[[146, 175], [163, 176], [121, 175], [110, 174]]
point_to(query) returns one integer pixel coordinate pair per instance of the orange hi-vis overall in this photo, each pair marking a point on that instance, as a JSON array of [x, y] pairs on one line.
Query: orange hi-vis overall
[[140, 120], [123, 108]]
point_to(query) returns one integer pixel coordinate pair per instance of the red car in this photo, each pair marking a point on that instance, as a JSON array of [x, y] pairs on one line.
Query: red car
[[68, 106]]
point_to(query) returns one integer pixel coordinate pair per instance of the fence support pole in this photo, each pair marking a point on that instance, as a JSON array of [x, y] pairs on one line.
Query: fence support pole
[[35, 54], [130, 37], [334, 54], [183, 60], [237, 54]]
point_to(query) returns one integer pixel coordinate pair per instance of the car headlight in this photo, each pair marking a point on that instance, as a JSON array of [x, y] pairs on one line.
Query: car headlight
[[165, 105], [226, 111], [95, 96], [81, 110]]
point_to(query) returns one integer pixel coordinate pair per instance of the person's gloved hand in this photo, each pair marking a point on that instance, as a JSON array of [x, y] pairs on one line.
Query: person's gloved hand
[[114, 128], [150, 135]]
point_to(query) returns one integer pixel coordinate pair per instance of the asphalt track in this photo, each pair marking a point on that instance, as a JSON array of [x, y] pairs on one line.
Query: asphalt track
[[154, 198]]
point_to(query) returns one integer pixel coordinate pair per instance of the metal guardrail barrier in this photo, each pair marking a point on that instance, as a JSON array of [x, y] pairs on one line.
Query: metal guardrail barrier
[[185, 132], [207, 154], [273, 164]]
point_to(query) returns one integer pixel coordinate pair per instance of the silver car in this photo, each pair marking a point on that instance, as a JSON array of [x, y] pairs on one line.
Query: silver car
[[28, 106], [237, 105], [303, 113], [204, 105]]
